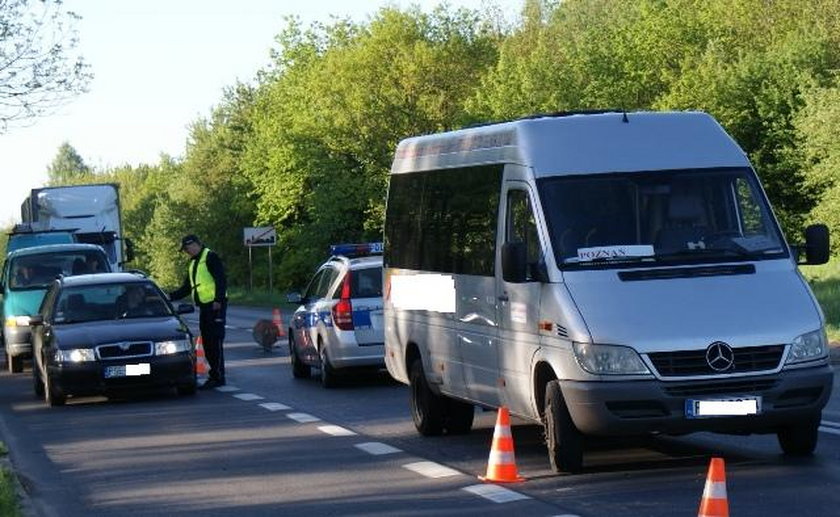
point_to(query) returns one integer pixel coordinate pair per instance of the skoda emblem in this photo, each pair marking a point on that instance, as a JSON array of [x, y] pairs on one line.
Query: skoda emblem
[[125, 346], [720, 357]]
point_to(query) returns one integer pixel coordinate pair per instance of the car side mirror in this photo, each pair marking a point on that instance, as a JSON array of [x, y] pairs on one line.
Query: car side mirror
[[185, 308], [294, 298], [514, 262], [36, 320], [817, 245]]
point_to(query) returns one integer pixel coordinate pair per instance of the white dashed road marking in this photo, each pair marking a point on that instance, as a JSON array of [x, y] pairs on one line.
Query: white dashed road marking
[[830, 427], [431, 469], [275, 406], [303, 418], [495, 493], [377, 448], [248, 396], [227, 389], [335, 430]]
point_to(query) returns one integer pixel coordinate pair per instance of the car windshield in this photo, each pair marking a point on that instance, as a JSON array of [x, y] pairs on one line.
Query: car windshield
[[37, 271], [109, 302], [656, 217]]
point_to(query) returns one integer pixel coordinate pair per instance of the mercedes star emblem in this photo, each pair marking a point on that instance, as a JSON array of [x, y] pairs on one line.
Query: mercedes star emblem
[[720, 357]]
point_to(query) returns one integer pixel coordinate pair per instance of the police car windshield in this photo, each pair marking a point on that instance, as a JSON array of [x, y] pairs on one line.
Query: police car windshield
[[664, 216]]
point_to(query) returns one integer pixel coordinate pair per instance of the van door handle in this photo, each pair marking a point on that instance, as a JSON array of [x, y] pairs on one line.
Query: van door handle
[[504, 298]]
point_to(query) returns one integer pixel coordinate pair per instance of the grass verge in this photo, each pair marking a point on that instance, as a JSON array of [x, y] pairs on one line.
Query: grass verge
[[825, 281], [8, 494]]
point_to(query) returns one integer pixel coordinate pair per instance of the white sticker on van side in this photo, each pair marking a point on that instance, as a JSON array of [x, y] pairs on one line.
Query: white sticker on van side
[[518, 312], [423, 292], [614, 252]]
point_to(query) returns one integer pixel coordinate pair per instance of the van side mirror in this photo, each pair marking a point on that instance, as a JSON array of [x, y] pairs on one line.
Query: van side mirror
[[817, 246], [129, 250], [514, 262]]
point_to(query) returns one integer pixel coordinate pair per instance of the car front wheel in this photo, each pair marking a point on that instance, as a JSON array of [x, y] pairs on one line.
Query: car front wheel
[[52, 393], [562, 438], [37, 383], [299, 370], [800, 439]]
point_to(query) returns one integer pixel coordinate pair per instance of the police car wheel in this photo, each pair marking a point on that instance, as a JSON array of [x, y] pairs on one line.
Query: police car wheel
[[299, 370], [427, 408], [562, 438], [459, 416], [329, 377], [800, 439]]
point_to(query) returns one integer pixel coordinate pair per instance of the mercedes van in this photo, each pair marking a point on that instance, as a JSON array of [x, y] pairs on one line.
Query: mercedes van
[[602, 274]]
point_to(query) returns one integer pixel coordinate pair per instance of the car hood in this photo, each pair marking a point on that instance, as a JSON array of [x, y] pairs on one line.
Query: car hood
[[771, 306], [95, 333]]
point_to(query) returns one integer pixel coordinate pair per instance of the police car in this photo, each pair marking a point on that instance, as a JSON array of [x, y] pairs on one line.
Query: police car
[[338, 325]]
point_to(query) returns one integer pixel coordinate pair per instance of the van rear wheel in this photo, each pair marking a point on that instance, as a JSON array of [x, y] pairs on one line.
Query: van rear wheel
[[427, 408], [800, 439], [563, 440]]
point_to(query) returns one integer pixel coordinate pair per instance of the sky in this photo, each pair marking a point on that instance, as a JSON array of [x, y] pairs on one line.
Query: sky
[[158, 66]]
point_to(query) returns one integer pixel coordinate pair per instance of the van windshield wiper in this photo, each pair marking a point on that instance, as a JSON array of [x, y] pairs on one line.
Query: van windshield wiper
[[704, 252]]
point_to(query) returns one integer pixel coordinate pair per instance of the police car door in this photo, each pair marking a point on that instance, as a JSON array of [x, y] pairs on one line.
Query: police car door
[[366, 292], [519, 303]]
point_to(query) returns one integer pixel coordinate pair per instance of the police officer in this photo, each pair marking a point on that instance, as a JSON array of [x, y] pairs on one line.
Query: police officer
[[208, 285]]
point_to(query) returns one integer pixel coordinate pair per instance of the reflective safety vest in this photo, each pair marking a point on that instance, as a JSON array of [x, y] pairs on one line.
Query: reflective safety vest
[[201, 281]]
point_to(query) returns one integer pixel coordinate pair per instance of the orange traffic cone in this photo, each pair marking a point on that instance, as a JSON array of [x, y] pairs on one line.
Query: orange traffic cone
[[714, 502], [201, 364], [277, 319], [501, 467]]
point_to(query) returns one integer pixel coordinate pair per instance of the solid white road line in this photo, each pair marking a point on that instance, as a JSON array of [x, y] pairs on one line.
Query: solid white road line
[[495, 493], [377, 448], [248, 396], [431, 469], [227, 389], [274, 406], [303, 418], [334, 430]]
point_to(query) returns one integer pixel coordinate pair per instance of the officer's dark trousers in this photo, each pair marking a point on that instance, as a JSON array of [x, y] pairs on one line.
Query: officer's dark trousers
[[211, 323]]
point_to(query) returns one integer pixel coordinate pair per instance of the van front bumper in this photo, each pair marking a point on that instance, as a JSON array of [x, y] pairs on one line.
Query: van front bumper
[[615, 408], [17, 341]]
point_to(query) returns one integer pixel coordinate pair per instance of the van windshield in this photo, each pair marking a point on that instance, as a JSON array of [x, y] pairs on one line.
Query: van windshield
[[37, 271], [663, 216]]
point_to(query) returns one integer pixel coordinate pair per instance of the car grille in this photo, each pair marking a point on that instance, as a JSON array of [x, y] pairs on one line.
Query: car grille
[[693, 362], [746, 386], [125, 350]]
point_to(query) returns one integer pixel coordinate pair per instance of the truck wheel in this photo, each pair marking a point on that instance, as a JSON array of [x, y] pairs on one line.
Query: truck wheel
[[427, 408], [299, 370], [14, 363], [800, 439], [459, 416], [564, 441], [52, 394], [329, 377], [37, 384]]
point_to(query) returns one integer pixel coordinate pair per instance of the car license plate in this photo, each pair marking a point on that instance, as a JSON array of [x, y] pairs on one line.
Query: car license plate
[[722, 407], [127, 370]]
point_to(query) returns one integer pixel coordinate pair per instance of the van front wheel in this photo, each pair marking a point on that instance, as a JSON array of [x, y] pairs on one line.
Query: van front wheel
[[800, 439], [562, 438], [427, 408]]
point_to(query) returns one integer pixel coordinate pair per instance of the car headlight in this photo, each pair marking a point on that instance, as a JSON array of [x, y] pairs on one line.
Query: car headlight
[[609, 359], [171, 347], [17, 321], [808, 347], [75, 355]]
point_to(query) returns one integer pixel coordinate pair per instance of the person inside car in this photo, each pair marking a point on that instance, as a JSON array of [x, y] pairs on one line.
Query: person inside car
[[132, 303]]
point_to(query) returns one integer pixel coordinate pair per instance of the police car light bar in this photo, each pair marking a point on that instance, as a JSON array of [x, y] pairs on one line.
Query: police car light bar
[[357, 250]]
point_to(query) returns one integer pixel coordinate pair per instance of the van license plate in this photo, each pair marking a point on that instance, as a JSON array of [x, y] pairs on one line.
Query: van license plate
[[127, 370], [722, 407]]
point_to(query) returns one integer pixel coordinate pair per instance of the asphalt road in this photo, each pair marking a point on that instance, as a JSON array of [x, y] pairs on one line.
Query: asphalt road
[[272, 445]]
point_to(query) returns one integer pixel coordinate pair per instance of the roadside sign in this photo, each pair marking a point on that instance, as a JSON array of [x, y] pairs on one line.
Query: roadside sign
[[259, 236]]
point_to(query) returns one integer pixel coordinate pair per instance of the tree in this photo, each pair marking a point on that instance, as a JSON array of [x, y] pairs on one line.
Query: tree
[[67, 167], [39, 70]]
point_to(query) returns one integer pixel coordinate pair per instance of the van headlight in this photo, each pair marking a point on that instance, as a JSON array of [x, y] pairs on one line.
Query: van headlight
[[171, 347], [75, 355], [609, 359], [808, 347]]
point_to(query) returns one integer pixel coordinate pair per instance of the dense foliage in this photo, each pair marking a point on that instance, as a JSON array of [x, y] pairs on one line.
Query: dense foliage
[[307, 148]]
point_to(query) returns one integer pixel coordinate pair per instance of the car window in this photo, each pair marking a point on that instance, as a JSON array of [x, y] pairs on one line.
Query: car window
[[327, 281], [312, 288], [110, 301], [366, 283]]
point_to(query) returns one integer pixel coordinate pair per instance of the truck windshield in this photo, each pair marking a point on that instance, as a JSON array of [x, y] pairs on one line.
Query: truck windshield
[[663, 216]]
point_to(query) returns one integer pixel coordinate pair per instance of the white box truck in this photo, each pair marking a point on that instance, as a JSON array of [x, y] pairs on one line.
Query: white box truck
[[601, 274]]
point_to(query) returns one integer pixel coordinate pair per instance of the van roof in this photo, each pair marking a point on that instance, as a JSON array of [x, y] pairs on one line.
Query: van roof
[[584, 143], [54, 248]]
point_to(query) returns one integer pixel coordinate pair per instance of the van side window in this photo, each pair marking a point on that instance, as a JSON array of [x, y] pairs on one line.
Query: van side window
[[521, 226], [444, 220]]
